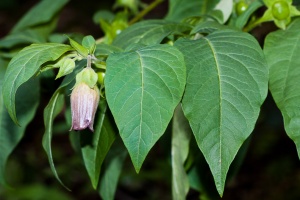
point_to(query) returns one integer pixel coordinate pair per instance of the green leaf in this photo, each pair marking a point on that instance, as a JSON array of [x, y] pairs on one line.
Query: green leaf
[[106, 49], [53, 108], [282, 49], [103, 15], [25, 65], [143, 87], [208, 27], [10, 134], [180, 148], [79, 48], [23, 37], [96, 145], [89, 43], [225, 6], [181, 9], [227, 81], [149, 32], [112, 170], [41, 13]]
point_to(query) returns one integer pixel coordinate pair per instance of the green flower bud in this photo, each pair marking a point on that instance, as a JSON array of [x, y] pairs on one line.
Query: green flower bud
[[84, 104]]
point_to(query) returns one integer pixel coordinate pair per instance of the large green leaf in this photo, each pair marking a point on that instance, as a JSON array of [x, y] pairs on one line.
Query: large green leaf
[[25, 65], [180, 148], [96, 145], [53, 108], [282, 50], [41, 13], [27, 100], [149, 32], [227, 81], [181, 9], [143, 87]]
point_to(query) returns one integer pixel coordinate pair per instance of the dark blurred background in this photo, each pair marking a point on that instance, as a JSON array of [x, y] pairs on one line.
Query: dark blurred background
[[270, 168]]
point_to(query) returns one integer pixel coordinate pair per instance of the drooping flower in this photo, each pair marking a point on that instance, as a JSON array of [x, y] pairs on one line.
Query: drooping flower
[[84, 104]]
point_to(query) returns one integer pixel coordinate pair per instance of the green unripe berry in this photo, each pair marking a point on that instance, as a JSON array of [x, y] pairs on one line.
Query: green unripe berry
[[101, 77], [241, 7], [280, 10]]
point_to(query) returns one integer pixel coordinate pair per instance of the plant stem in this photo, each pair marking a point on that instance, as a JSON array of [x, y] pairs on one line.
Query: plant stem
[[145, 11], [89, 61], [252, 25]]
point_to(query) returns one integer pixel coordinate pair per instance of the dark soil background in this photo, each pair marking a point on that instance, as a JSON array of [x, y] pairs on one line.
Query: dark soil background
[[270, 169]]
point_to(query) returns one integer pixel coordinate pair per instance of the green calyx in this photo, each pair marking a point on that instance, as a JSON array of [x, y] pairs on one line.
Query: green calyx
[[87, 76], [279, 11]]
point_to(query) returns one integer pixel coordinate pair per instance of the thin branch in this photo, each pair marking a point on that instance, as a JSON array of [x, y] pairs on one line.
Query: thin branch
[[145, 11]]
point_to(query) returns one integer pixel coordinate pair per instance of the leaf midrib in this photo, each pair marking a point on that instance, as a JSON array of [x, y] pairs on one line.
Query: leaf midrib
[[220, 99], [142, 97]]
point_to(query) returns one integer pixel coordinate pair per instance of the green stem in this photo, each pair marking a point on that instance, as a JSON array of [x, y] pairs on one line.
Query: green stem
[[89, 61], [253, 25], [145, 11]]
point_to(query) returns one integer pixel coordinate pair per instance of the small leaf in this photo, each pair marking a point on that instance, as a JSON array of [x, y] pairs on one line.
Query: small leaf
[[282, 50], [89, 43], [41, 13], [180, 148], [25, 65], [96, 145], [143, 88], [79, 48], [149, 32], [227, 81]]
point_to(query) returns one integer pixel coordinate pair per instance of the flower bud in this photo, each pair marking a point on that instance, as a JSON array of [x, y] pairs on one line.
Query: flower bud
[[84, 104]]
